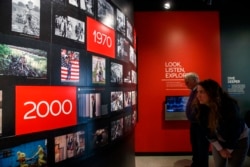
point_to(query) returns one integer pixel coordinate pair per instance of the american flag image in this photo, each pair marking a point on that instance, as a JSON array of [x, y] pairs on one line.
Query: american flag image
[[69, 66]]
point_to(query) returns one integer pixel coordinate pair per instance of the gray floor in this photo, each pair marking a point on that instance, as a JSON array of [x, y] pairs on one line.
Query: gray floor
[[171, 161]]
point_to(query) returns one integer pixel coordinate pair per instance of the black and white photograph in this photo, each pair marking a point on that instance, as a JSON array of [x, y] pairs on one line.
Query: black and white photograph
[[127, 99], [132, 55], [116, 71], [120, 22], [88, 6], [122, 50], [117, 128], [26, 17], [130, 34], [116, 101], [133, 77], [75, 3], [70, 66], [98, 70], [69, 27], [105, 13], [22, 61], [134, 96], [127, 74]]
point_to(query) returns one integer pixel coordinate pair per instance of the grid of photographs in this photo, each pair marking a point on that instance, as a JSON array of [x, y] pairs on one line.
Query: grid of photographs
[[46, 41]]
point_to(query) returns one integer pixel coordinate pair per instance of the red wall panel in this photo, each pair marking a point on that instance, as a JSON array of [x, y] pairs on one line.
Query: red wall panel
[[190, 41]]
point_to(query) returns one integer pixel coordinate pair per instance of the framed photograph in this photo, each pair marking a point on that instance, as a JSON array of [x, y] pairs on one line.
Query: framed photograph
[[129, 31], [132, 56], [70, 66], [26, 17], [23, 61], [106, 13], [98, 70], [116, 101], [69, 145], [117, 128], [116, 73], [122, 48], [30, 154], [120, 22], [89, 105]]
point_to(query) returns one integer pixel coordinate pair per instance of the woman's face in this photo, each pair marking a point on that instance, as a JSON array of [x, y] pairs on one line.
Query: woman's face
[[202, 95]]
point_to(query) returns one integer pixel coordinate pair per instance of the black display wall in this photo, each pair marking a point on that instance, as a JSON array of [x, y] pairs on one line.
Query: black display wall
[[235, 49], [68, 83]]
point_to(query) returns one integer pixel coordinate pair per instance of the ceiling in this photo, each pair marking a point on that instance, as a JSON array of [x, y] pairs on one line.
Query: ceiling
[[157, 5]]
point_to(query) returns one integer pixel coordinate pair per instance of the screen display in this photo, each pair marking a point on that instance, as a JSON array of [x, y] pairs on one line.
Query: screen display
[[175, 107]]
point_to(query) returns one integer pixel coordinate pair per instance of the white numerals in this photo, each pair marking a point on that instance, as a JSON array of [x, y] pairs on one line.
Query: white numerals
[[35, 110], [102, 39]]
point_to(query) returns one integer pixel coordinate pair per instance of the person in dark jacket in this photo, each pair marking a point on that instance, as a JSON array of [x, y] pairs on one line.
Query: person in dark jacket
[[219, 115], [199, 142]]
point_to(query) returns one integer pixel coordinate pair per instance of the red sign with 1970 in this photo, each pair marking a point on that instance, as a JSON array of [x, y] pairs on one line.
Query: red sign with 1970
[[40, 108], [100, 38]]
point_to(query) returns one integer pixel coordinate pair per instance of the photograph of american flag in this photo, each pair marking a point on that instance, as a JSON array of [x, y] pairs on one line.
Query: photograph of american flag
[[69, 66]]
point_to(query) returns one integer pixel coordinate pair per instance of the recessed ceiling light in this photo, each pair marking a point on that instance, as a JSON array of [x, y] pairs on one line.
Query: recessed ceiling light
[[167, 5]]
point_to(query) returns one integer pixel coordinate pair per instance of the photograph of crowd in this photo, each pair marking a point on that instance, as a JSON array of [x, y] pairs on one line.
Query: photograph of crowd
[[21, 61], [70, 28], [70, 67], [26, 17]]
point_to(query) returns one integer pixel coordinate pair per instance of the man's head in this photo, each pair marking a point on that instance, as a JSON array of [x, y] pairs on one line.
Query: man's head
[[191, 80]]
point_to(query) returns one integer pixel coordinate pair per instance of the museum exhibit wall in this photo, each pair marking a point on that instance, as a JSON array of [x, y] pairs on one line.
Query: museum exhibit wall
[[213, 44], [68, 83], [169, 45]]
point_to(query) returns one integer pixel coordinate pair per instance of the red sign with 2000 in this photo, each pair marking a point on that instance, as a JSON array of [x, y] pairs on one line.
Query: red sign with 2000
[[40, 108]]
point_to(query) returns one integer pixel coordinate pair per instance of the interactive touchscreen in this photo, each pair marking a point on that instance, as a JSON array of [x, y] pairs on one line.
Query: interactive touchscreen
[[175, 107]]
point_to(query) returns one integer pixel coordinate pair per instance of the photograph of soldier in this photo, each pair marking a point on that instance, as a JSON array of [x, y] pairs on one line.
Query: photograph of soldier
[[26, 17], [21, 61]]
